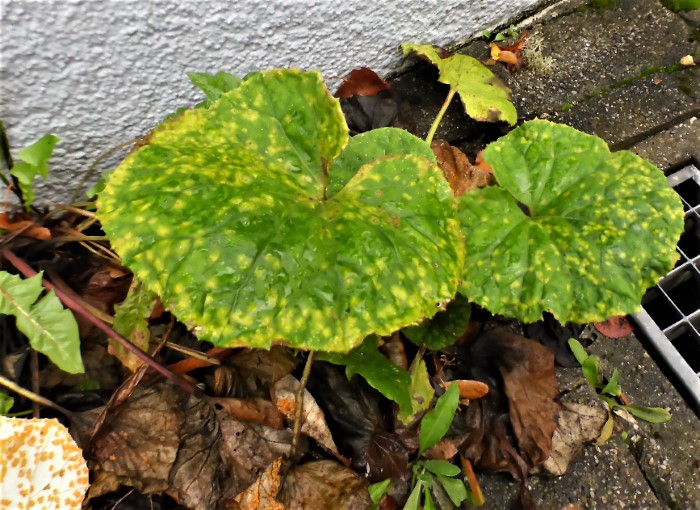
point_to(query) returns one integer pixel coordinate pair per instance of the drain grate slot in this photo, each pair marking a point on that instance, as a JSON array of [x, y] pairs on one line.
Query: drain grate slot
[[670, 316]]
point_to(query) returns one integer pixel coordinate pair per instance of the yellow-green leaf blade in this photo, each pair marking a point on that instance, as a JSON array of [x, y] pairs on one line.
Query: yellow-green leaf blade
[[484, 96]]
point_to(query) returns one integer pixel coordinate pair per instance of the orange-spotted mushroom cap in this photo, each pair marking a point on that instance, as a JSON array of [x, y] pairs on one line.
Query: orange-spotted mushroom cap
[[40, 465]]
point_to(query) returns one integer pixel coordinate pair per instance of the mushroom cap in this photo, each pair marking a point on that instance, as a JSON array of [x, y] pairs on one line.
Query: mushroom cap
[[40, 465]]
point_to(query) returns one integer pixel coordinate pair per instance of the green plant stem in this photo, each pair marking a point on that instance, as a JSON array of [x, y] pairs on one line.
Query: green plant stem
[[33, 397], [440, 115], [78, 308], [299, 411]]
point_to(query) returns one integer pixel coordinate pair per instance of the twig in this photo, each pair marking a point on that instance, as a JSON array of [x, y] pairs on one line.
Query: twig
[[36, 399], [299, 411], [28, 272]]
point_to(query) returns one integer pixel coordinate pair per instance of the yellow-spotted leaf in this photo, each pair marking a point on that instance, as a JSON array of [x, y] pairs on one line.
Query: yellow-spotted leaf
[[484, 96], [572, 228], [233, 216]]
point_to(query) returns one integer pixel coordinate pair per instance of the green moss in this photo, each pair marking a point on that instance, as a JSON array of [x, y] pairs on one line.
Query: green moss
[[670, 69], [681, 5]]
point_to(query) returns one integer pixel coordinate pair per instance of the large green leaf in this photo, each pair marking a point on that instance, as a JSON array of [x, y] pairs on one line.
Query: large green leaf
[[483, 95], [229, 215], [379, 371], [33, 162], [50, 328], [572, 228]]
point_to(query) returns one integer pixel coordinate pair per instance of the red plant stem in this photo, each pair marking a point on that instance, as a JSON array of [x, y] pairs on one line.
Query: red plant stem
[[28, 272], [34, 365]]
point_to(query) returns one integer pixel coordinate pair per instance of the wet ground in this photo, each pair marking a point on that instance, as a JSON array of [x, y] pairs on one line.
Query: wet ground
[[612, 71]]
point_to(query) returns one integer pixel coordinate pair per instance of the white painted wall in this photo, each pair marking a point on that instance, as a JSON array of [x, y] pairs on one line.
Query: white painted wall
[[100, 72]]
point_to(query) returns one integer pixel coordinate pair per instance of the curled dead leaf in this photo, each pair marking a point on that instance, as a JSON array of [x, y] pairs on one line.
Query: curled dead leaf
[[314, 425], [362, 82], [468, 389], [324, 484], [459, 172], [26, 228], [615, 327], [263, 492]]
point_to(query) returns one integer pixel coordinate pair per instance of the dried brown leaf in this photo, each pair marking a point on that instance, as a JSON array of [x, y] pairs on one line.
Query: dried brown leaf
[[362, 82], [578, 425], [324, 484], [615, 327], [26, 228], [314, 425], [459, 172], [511, 428], [254, 410], [263, 492]]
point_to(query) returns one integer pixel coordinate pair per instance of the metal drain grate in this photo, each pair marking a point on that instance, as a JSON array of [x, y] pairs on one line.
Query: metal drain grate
[[670, 316]]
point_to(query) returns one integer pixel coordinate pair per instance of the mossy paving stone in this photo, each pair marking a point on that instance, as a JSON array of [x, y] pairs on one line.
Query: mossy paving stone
[[229, 215]]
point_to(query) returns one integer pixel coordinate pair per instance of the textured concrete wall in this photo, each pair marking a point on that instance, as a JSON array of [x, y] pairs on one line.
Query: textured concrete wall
[[100, 72]]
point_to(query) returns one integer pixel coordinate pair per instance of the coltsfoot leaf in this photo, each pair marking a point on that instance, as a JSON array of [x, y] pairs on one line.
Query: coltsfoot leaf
[[484, 96], [50, 328], [572, 229], [232, 214]]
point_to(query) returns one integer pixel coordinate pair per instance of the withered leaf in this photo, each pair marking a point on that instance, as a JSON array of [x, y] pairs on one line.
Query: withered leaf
[[578, 425], [365, 113], [267, 366], [511, 427], [615, 327], [164, 440], [25, 228], [459, 172], [254, 410], [314, 425], [386, 456], [263, 492], [362, 82], [324, 484]]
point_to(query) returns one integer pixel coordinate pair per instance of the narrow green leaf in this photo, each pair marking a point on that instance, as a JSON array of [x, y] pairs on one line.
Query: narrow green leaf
[[454, 488], [429, 504], [613, 388], [436, 422], [6, 403], [33, 162], [650, 414], [579, 350], [131, 321], [421, 392], [51, 329], [384, 376], [413, 501], [213, 85], [377, 490], [441, 467], [591, 371]]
